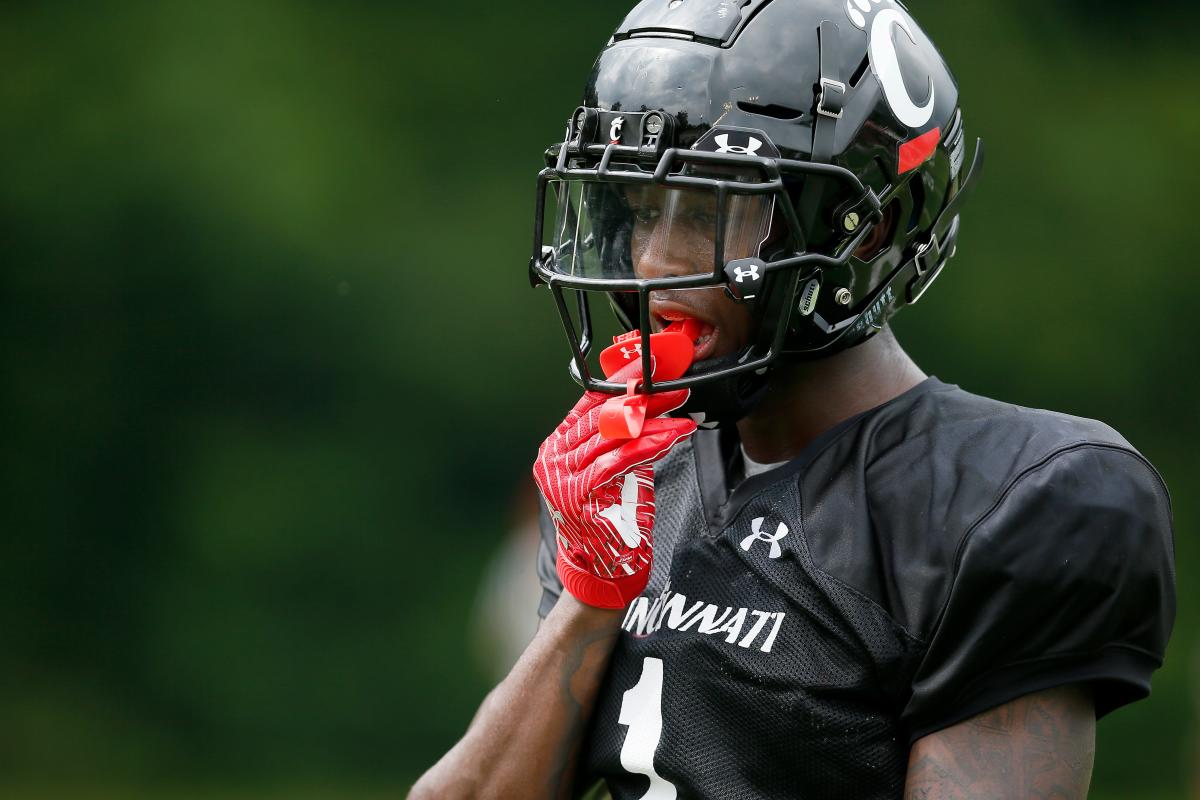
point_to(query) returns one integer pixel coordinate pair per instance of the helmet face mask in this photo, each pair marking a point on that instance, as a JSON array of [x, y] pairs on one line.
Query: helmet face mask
[[766, 208]]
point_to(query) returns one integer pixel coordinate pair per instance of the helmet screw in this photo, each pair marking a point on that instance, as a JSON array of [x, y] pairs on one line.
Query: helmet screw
[[850, 221], [842, 297], [674, 4]]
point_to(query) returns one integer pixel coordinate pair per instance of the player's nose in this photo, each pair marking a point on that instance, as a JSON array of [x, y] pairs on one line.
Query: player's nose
[[671, 253]]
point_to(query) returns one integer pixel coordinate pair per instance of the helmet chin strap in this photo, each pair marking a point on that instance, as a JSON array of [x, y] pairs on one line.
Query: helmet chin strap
[[827, 110], [724, 402]]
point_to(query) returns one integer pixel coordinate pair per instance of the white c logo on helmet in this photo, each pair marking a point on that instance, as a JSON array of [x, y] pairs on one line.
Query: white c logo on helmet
[[614, 130], [887, 69]]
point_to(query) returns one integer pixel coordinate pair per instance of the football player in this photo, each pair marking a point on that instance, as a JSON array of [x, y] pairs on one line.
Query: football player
[[816, 572]]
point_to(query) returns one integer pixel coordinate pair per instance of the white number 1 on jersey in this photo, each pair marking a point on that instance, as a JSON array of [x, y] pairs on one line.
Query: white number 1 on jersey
[[641, 710]]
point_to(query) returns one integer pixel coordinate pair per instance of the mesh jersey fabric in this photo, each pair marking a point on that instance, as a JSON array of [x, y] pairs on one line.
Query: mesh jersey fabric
[[919, 563]]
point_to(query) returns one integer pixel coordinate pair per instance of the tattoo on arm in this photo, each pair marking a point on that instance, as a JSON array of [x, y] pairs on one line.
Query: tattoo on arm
[[1038, 746], [578, 665]]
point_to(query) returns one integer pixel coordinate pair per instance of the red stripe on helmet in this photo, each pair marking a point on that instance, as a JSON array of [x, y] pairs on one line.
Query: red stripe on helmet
[[917, 151]]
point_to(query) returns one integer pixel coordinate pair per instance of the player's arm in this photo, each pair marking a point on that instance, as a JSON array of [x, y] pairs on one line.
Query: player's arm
[[523, 740], [1037, 746], [1066, 581], [599, 494]]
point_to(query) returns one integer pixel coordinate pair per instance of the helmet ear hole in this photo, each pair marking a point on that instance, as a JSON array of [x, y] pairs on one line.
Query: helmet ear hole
[[880, 236]]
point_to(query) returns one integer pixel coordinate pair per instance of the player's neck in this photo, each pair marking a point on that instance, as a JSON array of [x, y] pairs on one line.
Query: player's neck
[[806, 399]]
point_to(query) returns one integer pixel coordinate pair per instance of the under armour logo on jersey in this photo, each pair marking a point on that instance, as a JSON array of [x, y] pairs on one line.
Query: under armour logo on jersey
[[631, 353], [760, 536], [752, 273], [748, 149]]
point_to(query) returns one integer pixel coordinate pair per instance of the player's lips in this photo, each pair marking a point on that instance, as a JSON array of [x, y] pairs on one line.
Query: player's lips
[[663, 314]]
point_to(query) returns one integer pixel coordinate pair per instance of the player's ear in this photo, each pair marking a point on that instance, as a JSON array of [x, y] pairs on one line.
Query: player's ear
[[879, 236]]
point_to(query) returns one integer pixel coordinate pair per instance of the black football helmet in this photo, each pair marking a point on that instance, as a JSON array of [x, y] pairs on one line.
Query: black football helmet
[[754, 145]]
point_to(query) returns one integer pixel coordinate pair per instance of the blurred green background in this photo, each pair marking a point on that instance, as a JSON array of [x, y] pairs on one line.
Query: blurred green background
[[273, 373]]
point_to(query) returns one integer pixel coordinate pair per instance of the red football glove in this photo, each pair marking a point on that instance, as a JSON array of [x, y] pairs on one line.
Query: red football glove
[[600, 494]]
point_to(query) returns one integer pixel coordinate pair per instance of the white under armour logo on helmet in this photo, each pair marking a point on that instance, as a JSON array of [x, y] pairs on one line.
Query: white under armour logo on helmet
[[749, 149], [760, 536], [739, 273], [631, 353]]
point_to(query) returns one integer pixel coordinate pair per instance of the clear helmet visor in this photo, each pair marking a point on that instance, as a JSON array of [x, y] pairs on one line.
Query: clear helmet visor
[[623, 231]]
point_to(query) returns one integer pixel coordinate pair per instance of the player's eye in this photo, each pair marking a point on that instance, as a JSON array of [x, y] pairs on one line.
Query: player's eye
[[646, 214]]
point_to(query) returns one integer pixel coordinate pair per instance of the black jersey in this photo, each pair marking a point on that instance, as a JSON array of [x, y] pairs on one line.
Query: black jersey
[[922, 562]]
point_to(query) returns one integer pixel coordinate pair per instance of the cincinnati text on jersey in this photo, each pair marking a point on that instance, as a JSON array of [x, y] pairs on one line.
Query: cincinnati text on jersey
[[744, 627]]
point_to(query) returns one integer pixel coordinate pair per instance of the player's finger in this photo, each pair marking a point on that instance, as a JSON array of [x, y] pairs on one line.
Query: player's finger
[[657, 404], [587, 452], [585, 443], [661, 425], [661, 403], [593, 400], [658, 437], [586, 403]]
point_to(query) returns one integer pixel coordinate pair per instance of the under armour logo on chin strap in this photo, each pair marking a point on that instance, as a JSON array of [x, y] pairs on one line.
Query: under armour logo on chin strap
[[752, 273], [760, 536], [631, 353], [723, 146]]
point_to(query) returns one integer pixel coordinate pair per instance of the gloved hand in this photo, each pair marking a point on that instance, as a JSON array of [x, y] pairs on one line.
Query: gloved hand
[[600, 494]]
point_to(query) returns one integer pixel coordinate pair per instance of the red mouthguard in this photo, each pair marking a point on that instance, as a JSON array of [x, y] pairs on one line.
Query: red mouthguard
[[671, 352]]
